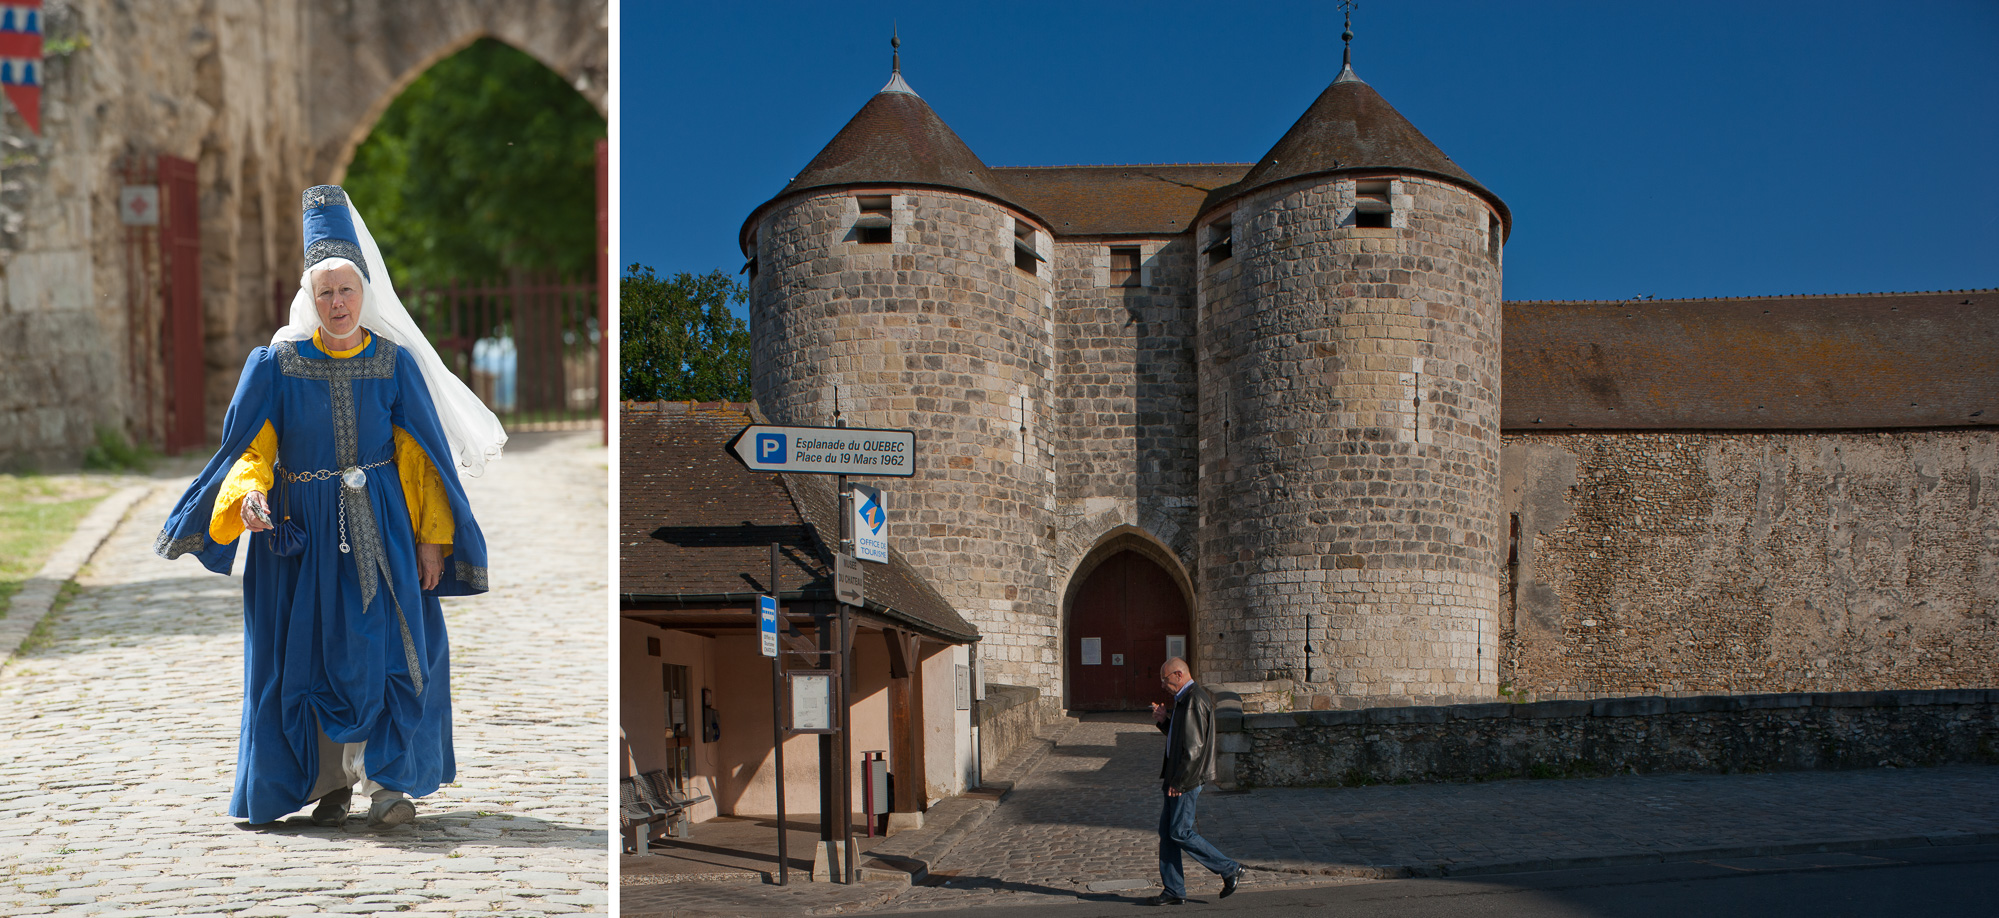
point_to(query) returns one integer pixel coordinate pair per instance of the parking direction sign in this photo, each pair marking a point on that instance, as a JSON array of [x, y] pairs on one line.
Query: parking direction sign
[[827, 450]]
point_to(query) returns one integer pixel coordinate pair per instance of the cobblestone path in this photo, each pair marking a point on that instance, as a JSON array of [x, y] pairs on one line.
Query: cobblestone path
[[118, 734], [1082, 823]]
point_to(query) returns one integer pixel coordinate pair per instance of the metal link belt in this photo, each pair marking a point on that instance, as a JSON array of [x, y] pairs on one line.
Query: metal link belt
[[324, 474]]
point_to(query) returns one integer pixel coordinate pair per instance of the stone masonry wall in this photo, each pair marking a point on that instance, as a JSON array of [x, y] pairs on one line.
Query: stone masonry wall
[[1349, 496], [938, 333], [1124, 399], [1752, 562], [201, 81], [1704, 734], [266, 98]]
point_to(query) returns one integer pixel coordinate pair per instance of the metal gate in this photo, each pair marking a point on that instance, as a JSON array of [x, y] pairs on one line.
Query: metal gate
[[529, 348]]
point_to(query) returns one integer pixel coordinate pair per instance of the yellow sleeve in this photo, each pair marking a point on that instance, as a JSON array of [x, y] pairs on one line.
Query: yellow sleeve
[[423, 490], [252, 472]]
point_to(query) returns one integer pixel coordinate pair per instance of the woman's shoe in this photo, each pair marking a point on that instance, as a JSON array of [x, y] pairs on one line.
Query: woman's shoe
[[387, 811], [332, 808]]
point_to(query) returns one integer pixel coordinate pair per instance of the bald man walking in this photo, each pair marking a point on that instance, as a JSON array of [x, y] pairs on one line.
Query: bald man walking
[[1189, 725]]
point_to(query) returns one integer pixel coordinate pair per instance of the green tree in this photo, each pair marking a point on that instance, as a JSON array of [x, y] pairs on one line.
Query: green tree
[[678, 339], [484, 167]]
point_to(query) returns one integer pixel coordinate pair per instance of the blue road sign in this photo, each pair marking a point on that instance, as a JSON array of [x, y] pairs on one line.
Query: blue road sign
[[767, 623]]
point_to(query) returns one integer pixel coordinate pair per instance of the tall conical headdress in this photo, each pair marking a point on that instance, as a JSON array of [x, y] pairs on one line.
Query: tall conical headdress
[[329, 228]]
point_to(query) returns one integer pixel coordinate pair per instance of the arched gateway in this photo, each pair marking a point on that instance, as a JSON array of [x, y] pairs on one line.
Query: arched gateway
[[1128, 616]]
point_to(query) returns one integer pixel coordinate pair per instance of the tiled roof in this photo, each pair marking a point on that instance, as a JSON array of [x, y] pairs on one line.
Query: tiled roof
[[896, 139], [1793, 362], [1145, 200], [695, 526], [1350, 127]]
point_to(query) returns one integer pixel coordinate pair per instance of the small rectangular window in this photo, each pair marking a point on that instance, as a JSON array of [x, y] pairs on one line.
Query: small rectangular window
[[1492, 231], [1024, 255], [1124, 266], [1371, 204], [1221, 241], [876, 225]]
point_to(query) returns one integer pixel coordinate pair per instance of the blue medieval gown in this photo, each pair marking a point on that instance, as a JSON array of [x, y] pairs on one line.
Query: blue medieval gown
[[345, 642]]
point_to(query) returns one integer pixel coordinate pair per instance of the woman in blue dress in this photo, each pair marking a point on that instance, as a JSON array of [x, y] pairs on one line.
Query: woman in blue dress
[[340, 458]]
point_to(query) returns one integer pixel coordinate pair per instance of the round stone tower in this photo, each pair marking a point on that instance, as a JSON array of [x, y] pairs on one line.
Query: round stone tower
[[893, 284], [1348, 356]]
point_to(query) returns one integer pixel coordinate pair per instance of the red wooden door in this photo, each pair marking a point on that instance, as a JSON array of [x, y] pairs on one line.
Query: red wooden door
[[1119, 631], [180, 250]]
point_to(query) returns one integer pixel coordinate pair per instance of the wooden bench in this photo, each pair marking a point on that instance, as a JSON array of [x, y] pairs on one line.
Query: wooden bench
[[651, 797]]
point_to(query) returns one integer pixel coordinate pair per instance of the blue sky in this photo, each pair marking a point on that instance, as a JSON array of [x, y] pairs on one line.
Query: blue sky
[[1672, 150]]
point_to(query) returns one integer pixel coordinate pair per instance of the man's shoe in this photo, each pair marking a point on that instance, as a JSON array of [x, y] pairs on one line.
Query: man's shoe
[[1229, 882], [389, 812], [332, 808], [1162, 899]]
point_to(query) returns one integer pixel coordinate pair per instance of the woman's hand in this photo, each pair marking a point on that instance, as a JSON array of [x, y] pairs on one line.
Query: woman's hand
[[429, 564], [251, 520]]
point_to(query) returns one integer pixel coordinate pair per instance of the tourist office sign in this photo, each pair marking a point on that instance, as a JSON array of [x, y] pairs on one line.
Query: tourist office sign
[[827, 450]]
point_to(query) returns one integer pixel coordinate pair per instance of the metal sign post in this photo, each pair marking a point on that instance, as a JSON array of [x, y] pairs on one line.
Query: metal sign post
[[776, 715], [838, 450]]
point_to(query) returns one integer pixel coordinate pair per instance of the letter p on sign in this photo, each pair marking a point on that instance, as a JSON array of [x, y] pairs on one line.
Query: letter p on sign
[[770, 447]]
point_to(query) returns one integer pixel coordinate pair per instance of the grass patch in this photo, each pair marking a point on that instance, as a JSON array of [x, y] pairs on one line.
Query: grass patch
[[38, 512], [113, 453]]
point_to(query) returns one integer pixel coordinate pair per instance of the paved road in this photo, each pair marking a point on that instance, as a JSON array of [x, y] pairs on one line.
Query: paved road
[[118, 734], [1954, 880], [1083, 823]]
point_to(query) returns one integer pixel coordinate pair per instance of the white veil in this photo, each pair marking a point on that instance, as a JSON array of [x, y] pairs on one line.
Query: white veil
[[475, 435]]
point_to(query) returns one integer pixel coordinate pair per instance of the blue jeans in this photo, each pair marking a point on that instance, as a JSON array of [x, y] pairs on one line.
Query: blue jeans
[[1176, 834]]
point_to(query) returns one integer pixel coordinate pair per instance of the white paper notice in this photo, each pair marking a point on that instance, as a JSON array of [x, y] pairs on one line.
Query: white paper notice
[[1093, 651]]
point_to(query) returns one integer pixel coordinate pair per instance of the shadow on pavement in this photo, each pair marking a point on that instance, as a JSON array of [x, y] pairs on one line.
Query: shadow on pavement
[[444, 832]]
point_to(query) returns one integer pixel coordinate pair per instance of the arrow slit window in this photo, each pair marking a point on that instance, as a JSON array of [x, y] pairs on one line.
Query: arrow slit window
[[1371, 204], [876, 223], [1221, 240], [1025, 256]]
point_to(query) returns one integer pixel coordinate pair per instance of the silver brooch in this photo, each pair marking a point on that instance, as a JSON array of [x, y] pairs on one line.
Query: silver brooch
[[354, 477]]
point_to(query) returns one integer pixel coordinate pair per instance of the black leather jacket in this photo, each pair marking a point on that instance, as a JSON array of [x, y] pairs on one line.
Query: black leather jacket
[[1190, 748]]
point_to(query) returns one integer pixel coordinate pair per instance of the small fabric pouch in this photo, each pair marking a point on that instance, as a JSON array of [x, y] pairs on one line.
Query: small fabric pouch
[[286, 538]]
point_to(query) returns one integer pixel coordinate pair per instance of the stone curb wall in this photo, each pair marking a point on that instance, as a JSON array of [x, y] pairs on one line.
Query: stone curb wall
[[1009, 718], [1703, 734]]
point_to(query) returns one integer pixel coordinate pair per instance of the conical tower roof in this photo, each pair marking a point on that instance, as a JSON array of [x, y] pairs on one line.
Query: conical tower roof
[[896, 139], [1349, 128]]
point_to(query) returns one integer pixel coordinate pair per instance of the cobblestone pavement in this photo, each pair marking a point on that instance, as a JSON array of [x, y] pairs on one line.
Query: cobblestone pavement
[[1082, 824], [118, 734]]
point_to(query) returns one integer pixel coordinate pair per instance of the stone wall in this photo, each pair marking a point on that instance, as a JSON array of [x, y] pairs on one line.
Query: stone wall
[[936, 332], [1747, 562], [1350, 444], [1010, 718], [1706, 734], [1124, 401], [266, 98]]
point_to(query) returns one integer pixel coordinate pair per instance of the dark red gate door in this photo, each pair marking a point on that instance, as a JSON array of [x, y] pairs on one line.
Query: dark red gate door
[[1126, 616], [180, 247]]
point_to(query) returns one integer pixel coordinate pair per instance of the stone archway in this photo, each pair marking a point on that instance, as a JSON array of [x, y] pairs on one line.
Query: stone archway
[[364, 54]]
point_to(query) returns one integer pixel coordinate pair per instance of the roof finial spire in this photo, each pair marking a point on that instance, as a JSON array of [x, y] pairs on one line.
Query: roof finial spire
[[895, 82], [1346, 56]]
